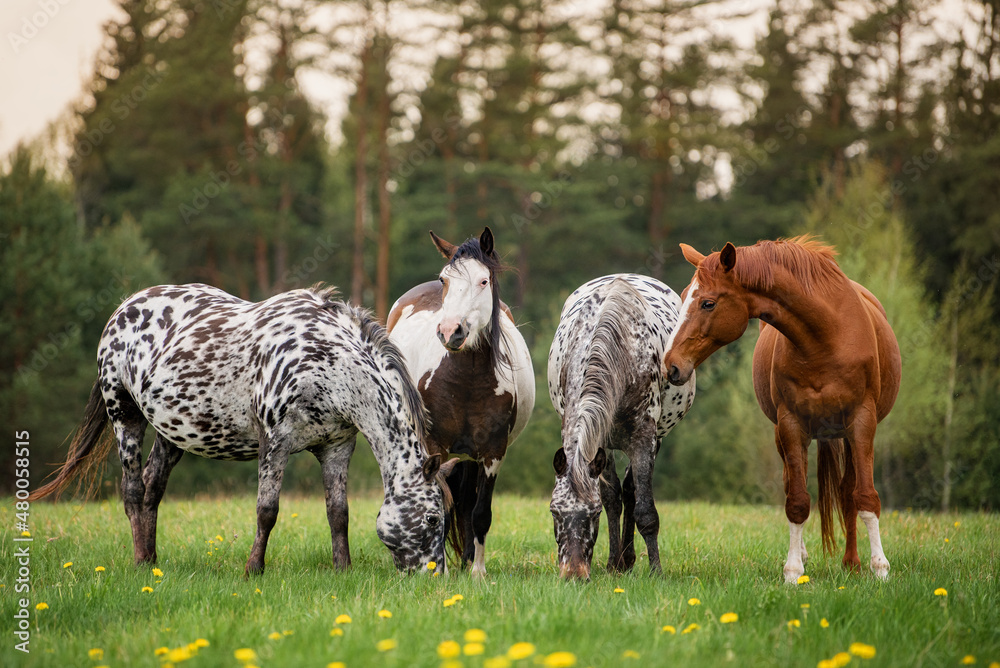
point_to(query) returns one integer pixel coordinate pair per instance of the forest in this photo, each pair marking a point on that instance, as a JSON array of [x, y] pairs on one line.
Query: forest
[[591, 137]]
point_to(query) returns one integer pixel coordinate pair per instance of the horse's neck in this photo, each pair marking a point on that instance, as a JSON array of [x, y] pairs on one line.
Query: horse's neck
[[812, 320], [391, 436]]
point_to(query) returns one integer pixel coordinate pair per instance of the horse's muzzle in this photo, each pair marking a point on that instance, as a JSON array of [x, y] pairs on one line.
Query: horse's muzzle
[[675, 375], [455, 339]]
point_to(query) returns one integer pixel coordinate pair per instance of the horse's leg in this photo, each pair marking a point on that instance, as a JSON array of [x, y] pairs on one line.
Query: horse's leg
[[628, 520], [161, 461], [792, 442], [129, 427], [482, 516], [647, 520], [270, 470], [611, 499], [334, 460], [462, 483], [851, 560], [866, 499]]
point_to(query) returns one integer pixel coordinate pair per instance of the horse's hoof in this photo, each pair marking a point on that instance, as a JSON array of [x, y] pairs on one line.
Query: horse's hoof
[[793, 573], [880, 567], [852, 565], [478, 572]]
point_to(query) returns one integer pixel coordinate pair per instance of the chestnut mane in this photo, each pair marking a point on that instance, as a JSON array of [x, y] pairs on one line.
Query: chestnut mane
[[811, 262]]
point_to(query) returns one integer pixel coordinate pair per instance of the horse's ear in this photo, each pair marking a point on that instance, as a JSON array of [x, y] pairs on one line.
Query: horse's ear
[[598, 463], [445, 248], [449, 466], [486, 241], [559, 462], [691, 255], [431, 466], [727, 257]]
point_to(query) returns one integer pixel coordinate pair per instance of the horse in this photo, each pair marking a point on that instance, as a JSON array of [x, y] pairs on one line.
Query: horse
[[227, 379], [826, 366], [474, 371], [605, 383]]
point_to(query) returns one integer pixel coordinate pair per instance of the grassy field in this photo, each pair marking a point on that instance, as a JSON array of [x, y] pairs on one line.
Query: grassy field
[[728, 558]]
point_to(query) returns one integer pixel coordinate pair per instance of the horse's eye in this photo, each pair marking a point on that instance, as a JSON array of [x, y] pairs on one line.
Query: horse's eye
[[433, 520], [484, 282], [441, 278], [707, 305]]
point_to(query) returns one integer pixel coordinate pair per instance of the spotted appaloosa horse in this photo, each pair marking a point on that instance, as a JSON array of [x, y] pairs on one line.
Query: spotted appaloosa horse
[[227, 379], [605, 383], [826, 366], [474, 371]]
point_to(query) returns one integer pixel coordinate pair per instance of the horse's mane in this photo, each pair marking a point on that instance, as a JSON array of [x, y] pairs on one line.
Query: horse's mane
[[472, 250], [807, 259], [604, 379], [373, 333]]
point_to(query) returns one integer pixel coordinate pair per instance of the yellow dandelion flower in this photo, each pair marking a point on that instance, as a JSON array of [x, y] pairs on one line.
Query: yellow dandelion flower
[[668, 629], [178, 655], [449, 602], [475, 635], [157, 573], [160, 651], [336, 664], [201, 642], [95, 654], [497, 662], [958, 524], [619, 590], [968, 659], [458, 597], [235, 594], [794, 623], [333, 598], [520, 650], [26, 533], [67, 564], [630, 654], [42, 606], [385, 614], [337, 632], [690, 628], [435, 574], [287, 632], [694, 601], [342, 619], [840, 587], [245, 655], [274, 636], [99, 569], [147, 590], [861, 650], [560, 660], [386, 645], [473, 649], [294, 515], [841, 659], [995, 664], [729, 618], [825, 663], [804, 606], [947, 540], [431, 565], [220, 539], [824, 624], [802, 579], [257, 591], [940, 591], [452, 663], [448, 649]]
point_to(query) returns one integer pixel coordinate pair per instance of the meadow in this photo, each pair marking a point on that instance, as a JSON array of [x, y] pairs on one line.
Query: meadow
[[720, 600]]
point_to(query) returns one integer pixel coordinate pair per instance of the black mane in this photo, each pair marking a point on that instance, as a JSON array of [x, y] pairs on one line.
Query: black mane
[[471, 249]]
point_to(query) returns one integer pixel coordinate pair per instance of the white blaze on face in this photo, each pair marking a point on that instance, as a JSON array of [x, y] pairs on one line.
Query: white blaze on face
[[468, 299], [685, 312]]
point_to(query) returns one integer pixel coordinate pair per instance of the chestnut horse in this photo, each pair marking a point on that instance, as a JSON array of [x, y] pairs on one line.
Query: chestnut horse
[[826, 367], [474, 371]]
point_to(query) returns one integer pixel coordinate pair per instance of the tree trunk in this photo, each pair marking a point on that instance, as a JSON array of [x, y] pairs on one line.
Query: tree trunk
[[360, 180], [384, 202], [949, 413]]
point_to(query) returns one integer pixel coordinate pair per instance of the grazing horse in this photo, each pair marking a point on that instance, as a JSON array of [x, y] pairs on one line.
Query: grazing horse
[[474, 371], [605, 383], [826, 367], [227, 379]]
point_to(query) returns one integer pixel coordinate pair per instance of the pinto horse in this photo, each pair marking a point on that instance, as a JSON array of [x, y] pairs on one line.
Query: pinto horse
[[474, 371], [826, 367], [605, 383], [227, 379]]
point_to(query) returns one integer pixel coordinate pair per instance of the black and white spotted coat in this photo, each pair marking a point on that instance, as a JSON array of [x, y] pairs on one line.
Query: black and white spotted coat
[[223, 378], [605, 382]]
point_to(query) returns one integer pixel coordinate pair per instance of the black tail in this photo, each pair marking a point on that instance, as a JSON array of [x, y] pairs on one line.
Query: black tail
[[829, 457], [87, 452]]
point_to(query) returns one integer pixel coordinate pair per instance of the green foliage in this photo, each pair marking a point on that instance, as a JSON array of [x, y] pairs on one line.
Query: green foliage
[[727, 557]]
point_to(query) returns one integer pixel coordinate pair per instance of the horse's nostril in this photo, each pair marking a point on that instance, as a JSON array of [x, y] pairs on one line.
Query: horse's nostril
[[675, 374]]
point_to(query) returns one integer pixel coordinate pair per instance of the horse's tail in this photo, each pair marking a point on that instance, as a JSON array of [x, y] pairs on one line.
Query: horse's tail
[[829, 458], [87, 451]]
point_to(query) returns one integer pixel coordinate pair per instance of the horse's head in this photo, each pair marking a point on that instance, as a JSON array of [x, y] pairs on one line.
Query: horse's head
[[576, 512], [714, 313], [470, 300], [411, 521]]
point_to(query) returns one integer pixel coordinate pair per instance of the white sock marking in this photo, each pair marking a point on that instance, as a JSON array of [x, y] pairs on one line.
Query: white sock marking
[[879, 564]]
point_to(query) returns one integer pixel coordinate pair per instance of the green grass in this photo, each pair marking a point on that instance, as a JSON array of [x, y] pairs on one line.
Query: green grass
[[728, 557]]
